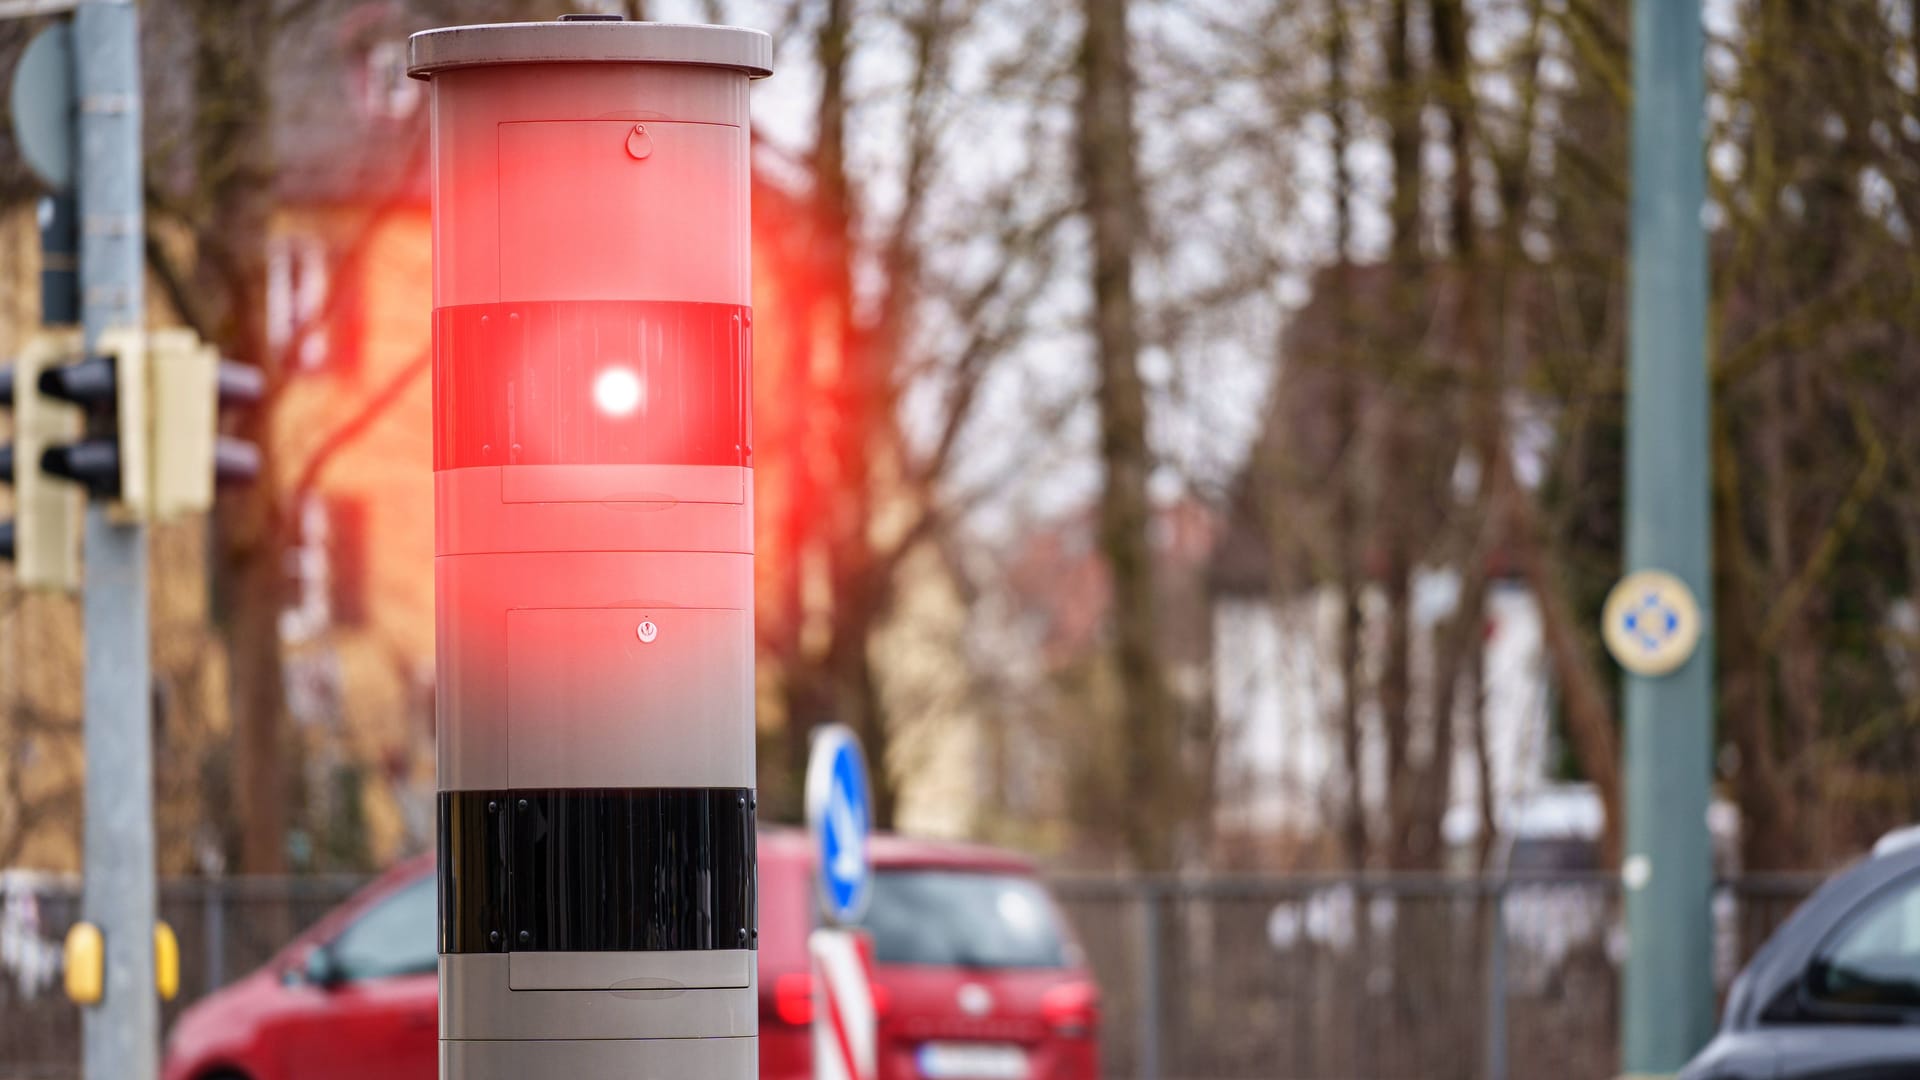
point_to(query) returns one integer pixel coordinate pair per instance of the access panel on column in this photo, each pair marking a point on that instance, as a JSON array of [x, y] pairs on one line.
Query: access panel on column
[[579, 200], [629, 697]]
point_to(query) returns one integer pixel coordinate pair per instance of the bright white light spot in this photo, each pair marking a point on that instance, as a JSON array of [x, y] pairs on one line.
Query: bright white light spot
[[1019, 912], [1636, 872], [618, 391]]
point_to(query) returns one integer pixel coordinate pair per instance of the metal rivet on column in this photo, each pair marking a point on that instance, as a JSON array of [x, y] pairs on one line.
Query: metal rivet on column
[[639, 143]]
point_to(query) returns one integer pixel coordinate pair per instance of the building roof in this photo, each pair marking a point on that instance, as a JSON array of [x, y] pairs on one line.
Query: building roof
[[1278, 520], [1301, 445]]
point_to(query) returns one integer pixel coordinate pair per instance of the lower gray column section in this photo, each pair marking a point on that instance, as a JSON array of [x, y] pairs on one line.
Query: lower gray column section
[[477, 1002], [601, 1059]]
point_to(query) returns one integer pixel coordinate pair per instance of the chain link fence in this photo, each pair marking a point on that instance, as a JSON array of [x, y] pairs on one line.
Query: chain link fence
[[1421, 978], [227, 929], [1288, 978]]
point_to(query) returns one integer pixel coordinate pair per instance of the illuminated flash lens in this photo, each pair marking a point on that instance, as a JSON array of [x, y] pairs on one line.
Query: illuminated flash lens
[[640, 382], [617, 391]]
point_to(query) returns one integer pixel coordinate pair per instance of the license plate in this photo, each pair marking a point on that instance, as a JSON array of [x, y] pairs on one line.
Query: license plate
[[972, 1061]]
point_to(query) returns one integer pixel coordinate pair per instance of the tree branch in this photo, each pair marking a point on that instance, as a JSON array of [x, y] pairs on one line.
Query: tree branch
[[179, 293], [376, 406], [348, 267], [1865, 485]]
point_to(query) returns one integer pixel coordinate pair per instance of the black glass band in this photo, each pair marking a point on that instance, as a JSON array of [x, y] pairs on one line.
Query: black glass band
[[597, 870]]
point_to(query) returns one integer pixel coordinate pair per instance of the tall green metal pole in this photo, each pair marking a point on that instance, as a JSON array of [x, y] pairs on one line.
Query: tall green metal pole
[[1668, 872]]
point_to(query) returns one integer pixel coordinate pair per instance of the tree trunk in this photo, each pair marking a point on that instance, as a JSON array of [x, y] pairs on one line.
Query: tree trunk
[[1347, 539], [838, 684], [1390, 524], [1403, 136], [1768, 834], [1109, 179], [233, 52], [1588, 707], [1472, 533], [1450, 32], [1488, 806]]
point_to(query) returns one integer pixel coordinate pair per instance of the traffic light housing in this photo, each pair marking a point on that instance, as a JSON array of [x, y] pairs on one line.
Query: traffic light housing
[[110, 389], [43, 537], [152, 405], [189, 383]]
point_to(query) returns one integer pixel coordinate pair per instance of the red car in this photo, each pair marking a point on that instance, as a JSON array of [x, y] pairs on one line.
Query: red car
[[978, 978]]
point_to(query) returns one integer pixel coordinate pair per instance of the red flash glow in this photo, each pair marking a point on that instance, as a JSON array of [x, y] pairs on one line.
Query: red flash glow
[[617, 391]]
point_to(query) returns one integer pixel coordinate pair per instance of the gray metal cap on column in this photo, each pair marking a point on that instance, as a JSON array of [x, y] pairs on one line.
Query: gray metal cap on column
[[601, 40]]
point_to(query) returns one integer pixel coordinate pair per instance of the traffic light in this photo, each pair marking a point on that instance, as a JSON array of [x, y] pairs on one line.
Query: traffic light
[[594, 554], [152, 403], [189, 384], [43, 537], [111, 390]]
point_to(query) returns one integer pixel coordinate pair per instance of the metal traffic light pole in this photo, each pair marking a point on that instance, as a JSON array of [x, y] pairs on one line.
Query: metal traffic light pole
[[151, 451], [1668, 997], [121, 1033]]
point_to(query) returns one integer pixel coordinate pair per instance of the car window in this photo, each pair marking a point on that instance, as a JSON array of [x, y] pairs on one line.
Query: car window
[[1875, 961], [956, 918], [396, 936]]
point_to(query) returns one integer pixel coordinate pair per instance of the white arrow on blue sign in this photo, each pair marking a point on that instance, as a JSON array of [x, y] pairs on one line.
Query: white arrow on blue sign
[[840, 818]]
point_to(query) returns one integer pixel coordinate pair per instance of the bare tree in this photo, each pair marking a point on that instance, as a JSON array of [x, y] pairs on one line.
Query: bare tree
[[214, 174], [1109, 178], [232, 150], [863, 492]]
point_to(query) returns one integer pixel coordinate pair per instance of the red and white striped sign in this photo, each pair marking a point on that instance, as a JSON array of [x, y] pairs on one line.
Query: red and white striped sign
[[845, 1027]]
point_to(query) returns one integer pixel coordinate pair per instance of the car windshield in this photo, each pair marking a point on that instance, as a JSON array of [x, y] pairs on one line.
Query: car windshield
[[395, 936], [963, 919], [1876, 961]]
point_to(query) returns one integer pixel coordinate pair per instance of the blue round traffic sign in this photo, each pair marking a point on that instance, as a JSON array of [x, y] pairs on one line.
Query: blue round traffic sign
[[44, 106], [840, 818]]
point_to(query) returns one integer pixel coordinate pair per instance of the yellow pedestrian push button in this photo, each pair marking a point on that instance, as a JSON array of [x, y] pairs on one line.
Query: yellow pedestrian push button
[[86, 964], [166, 961]]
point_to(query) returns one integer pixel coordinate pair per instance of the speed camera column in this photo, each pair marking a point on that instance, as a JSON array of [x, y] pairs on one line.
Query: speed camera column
[[593, 569]]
